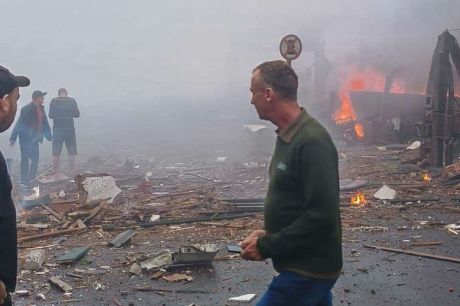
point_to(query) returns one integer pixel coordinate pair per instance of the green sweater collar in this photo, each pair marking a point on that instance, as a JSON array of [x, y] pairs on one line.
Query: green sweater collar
[[288, 133]]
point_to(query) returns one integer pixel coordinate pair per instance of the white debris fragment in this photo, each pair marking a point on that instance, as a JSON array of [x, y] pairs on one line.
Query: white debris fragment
[[221, 159], [243, 298], [34, 260], [62, 194], [385, 193], [254, 127], [41, 297], [148, 176], [22, 292], [415, 145], [343, 156], [99, 188], [452, 226], [154, 218], [35, 194], [160, 260]]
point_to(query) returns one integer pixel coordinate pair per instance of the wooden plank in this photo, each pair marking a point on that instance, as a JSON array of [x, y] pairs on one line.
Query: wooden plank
[[223, 225], [94, 212], [420, 254], [36, 226], [80, 224], [60, 284], [74, 254], [123, 238], [413, 200], [147, 289], [62, 208], [425, 243], [92, 204], [47, 235], [451, 171], [51, 211]]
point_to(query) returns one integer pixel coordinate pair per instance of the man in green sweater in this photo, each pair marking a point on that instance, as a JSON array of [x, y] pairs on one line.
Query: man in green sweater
[[302, 232]]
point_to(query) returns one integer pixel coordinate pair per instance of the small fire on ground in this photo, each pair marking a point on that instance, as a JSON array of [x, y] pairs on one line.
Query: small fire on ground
[[358, 199], [426, 177]]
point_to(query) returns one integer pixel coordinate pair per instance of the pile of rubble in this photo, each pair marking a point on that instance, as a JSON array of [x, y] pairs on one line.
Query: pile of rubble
[[61, 232]]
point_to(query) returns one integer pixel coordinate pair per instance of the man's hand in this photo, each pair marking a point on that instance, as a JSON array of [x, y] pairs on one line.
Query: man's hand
[[249, 246], [3, 293], [250, 251], [256, 233]]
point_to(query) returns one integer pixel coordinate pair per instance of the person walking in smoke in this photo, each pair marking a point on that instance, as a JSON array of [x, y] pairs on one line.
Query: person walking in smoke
[[302, 232], [63, 110], [31, 127], [9, 95]]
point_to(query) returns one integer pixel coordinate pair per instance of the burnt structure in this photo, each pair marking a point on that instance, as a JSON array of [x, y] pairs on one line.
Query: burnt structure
[[442, 113], [388, 117]]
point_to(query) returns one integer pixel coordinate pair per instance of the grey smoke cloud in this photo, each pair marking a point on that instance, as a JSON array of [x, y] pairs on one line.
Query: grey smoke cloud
[[141, 61], [197, 49]]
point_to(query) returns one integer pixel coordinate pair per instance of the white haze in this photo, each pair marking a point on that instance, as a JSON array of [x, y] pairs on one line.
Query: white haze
[[156, 74]]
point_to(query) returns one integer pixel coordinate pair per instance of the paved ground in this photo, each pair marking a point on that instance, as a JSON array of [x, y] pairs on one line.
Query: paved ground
[[370, 277]]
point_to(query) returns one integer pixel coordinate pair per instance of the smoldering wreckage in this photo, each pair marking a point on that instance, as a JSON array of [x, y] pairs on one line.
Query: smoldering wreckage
[[135, 232]]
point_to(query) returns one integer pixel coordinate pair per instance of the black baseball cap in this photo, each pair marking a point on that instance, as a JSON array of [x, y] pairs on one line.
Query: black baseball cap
[[9, 81], [38, 94]]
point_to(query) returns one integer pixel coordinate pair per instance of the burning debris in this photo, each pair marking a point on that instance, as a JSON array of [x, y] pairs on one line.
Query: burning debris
[[359, 199], [369, 100], [426, 177]]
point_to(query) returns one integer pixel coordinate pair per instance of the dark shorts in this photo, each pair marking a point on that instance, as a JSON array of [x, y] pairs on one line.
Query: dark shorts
[[64, 136]]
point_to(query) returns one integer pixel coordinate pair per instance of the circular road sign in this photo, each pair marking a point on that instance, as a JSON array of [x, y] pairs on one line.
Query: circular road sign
[[290, 47]]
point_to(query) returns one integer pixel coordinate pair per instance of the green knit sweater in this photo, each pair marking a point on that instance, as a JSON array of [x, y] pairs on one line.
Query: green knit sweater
[[302, 216]]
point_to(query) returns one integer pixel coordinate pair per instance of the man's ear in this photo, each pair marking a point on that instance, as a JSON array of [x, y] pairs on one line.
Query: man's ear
[[5, 104], [268, 94]]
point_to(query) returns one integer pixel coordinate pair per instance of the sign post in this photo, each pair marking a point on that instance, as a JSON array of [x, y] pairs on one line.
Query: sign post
[[290, 48]]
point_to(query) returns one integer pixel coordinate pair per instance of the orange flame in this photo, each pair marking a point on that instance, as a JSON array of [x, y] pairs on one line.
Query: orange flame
[[355, 79], [359, 130], [358, 199], [426, 178]]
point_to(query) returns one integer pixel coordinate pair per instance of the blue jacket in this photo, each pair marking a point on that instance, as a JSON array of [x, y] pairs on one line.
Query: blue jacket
[[26, 127]]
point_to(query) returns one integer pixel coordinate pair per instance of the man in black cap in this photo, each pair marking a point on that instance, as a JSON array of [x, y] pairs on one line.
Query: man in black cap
[[31, 127], [62, 110], [9, 95]]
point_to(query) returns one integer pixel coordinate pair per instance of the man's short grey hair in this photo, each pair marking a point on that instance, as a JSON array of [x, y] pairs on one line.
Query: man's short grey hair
[[279, 76]]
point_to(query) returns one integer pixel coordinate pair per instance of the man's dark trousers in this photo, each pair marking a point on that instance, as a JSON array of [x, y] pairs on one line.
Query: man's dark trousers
[[29, 151], [293, 289]]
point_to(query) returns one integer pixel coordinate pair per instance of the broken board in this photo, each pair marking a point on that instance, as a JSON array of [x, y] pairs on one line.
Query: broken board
[[123, 238], [60, 284], [73, 255]]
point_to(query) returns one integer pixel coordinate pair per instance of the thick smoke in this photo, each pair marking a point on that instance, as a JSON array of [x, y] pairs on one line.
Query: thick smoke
[[153, 75]]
